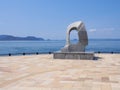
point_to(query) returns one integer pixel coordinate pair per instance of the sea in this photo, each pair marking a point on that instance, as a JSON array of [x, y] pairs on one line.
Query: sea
[[49, 46]]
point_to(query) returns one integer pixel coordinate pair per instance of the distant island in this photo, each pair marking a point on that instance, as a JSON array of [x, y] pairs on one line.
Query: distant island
[[14, 38]]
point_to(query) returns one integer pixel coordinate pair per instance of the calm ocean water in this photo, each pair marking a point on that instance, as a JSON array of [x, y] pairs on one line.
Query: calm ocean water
[[111, 45]]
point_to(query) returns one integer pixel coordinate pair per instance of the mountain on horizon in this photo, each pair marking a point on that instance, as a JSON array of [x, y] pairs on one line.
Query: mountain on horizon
[[14, 38]]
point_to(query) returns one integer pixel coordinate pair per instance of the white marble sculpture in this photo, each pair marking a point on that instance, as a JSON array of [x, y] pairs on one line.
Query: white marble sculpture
[[83, 38], [75, 51]]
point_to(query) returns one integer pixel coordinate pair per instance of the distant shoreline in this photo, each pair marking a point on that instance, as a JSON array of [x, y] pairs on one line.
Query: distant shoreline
[[15, 38], [64, 40], [34, 38]]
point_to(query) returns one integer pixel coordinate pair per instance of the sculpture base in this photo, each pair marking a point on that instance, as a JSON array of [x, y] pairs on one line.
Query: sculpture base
[[73, 55]]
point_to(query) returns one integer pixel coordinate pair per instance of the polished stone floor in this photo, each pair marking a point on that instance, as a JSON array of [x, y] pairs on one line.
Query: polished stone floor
[[42, 72]]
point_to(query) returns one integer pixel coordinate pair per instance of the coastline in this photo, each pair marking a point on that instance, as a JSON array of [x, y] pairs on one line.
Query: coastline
[[32, 47], [43, 72]]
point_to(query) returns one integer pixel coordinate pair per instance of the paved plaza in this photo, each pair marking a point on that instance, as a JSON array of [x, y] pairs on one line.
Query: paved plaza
[[42, 72]]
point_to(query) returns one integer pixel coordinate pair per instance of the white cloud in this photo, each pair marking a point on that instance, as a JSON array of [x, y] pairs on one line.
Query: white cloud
[[101, 29], [108, 29], [92, 30]]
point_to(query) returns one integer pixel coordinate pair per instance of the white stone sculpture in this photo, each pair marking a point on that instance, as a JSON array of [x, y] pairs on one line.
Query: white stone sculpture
[[75, 51], [83, 38]]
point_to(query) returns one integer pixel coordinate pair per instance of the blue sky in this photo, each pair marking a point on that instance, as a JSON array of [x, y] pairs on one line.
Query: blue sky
[[50, 18]]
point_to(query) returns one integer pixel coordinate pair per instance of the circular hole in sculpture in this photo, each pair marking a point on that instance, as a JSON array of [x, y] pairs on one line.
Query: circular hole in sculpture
[[74, 37]]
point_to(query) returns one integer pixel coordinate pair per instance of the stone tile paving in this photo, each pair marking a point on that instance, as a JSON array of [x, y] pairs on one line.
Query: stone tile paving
[[42, 72]]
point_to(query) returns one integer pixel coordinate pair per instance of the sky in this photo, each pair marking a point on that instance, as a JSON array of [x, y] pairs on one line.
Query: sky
[[49, 18]]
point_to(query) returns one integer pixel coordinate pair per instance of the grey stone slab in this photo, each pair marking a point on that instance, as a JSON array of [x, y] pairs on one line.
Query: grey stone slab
[[73, 55]]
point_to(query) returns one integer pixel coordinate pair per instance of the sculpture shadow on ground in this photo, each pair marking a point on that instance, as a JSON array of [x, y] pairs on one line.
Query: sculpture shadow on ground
[[97, 58]]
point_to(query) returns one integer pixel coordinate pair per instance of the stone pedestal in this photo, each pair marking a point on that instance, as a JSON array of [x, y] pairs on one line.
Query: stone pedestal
[[74, 55]]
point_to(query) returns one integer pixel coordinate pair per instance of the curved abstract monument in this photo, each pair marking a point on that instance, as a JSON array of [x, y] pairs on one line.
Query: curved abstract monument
[[75, 51], [83, 38]]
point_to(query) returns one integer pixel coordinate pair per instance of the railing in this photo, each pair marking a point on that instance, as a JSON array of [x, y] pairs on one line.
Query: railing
[[33, 53], [108, 52], [37, 53]]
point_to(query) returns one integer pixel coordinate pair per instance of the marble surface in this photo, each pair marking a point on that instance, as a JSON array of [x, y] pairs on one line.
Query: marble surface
[[42, 72]]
